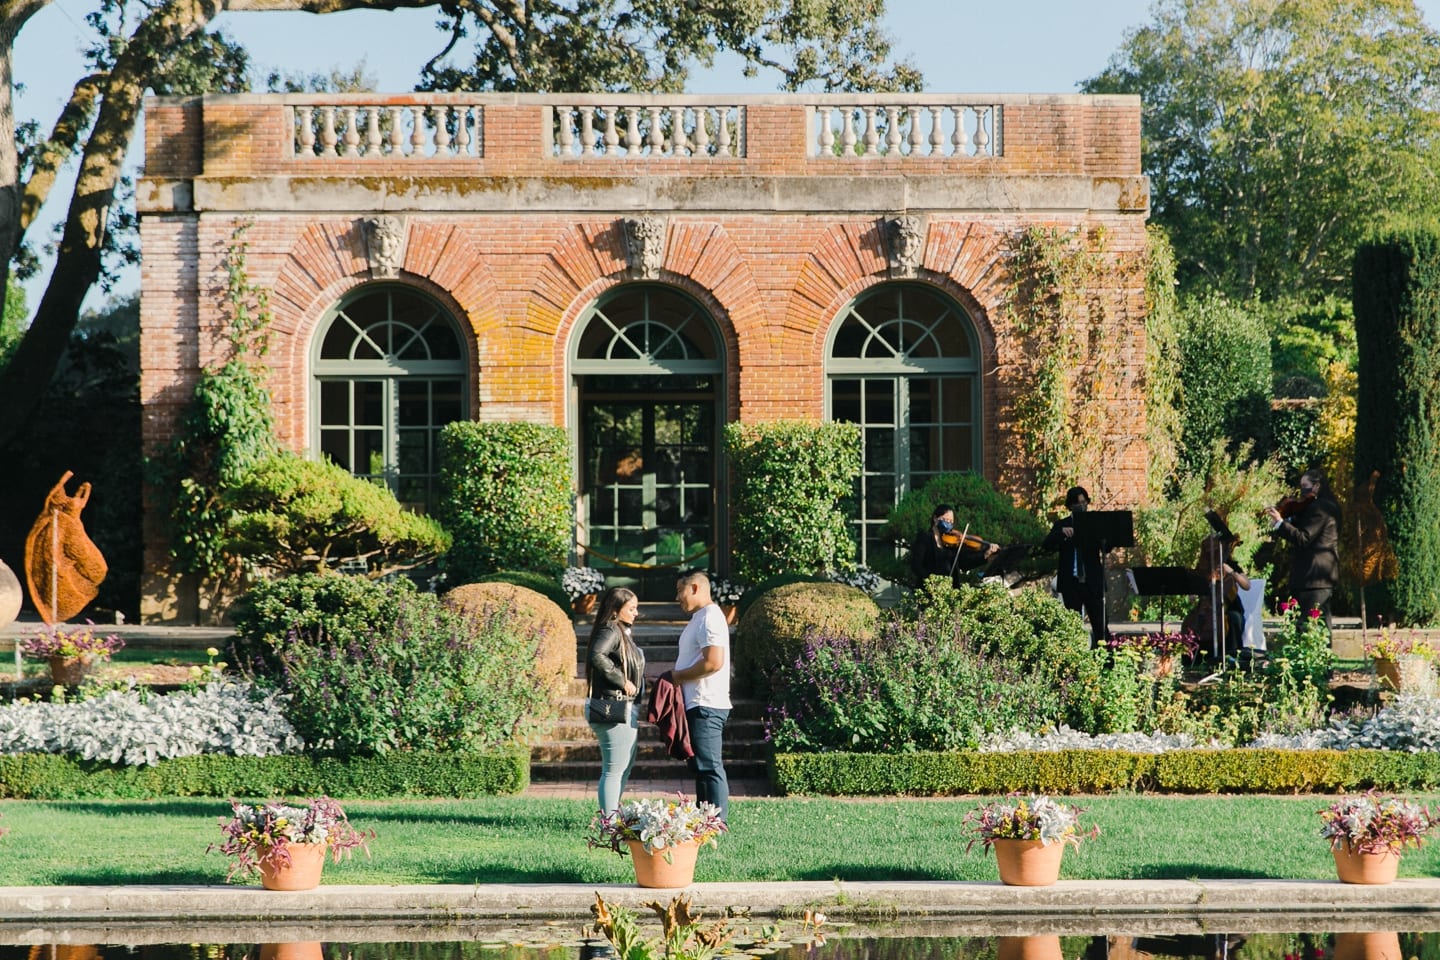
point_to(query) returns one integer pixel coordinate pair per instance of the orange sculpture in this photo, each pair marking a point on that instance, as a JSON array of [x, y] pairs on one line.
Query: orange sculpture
[[63, 568]]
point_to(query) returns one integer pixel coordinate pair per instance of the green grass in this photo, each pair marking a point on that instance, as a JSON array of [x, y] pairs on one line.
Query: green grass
[[527, 840]]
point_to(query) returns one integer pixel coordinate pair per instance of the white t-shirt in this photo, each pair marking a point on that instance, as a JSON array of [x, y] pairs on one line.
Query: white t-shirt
[[707, 628]]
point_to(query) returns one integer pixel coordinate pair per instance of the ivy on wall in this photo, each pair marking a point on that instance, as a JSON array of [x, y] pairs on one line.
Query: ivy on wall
[[1067, 361]]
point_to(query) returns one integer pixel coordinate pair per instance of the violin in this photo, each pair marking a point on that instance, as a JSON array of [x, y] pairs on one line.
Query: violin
[[964, 541], [1290, 506]]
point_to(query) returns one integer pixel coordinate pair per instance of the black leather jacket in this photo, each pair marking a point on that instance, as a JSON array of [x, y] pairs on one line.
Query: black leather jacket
[[603, 663]]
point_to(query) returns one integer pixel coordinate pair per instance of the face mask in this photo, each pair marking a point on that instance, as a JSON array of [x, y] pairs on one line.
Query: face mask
[[945, 526], [1079, 508]]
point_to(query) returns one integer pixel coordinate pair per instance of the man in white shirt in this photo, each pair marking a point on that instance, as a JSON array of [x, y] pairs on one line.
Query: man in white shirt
[[705, 683]]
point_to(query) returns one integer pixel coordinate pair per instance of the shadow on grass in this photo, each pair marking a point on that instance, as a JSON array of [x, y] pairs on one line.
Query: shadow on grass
[[108, 876], [169, 807]]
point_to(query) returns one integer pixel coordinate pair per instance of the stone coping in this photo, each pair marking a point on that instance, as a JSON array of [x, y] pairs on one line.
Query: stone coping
[[173, 913]]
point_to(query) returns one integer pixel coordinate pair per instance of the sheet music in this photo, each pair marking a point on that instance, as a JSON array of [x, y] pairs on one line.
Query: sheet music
[[1253, 600]]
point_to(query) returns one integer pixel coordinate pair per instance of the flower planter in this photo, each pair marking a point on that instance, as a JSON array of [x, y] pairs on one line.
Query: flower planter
[[70, 671], [1367, 946], [1408, 674], [301, 873], [652, 870], [1030, 948], [585, 603], [1353, 866], [1028, 863], [305, 950]]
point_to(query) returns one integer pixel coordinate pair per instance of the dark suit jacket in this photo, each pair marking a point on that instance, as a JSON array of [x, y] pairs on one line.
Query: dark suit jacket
[[1074, 559], [1312, 535], [928, 559]]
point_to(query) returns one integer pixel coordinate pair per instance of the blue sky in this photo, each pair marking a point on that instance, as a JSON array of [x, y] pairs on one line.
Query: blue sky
[[961, 46]]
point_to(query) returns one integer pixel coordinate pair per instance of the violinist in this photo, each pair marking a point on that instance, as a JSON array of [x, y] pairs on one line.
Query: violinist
[[1311, 525], [1080, 573], [943, 551]]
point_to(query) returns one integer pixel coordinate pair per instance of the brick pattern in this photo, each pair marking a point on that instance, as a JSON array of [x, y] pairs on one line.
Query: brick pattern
[[518, 282]]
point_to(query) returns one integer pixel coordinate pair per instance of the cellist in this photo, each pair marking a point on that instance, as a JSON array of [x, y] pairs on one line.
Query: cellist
[[1223, 576]]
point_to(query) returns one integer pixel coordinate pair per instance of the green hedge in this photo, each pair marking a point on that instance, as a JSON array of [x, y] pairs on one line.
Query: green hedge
[[45, 776], [1098, 771]]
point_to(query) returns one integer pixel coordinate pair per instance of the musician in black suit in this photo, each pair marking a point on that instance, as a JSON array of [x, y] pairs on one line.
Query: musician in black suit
[[1079, 573], [1313, 532]]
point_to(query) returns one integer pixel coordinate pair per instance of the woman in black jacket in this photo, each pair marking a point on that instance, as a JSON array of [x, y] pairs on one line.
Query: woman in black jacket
[[615, 676]]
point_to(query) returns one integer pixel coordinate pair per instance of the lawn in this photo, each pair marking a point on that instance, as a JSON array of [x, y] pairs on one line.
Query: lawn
[[525, 840]]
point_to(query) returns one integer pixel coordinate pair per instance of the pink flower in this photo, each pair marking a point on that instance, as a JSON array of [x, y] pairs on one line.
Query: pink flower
[[1287, 605], [1314, 614]]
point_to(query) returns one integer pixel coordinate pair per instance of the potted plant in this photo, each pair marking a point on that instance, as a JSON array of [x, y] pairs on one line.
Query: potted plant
[[663, 837], [727, 593], [71, 652], [1368, 833], [1029, 835], [286, 845], [1401, 662], [582, 585]]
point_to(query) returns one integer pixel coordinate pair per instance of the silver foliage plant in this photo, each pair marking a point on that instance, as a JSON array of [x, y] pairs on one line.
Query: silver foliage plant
[[121, 727], [1411, 723]]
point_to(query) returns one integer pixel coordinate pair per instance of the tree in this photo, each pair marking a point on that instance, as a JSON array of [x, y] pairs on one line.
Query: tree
[[522, 45], [1277, 133]]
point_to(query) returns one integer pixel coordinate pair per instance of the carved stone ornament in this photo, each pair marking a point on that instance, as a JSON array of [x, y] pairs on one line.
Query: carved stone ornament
[[645, 246], [905, 242], [385, 245], [63, 567]]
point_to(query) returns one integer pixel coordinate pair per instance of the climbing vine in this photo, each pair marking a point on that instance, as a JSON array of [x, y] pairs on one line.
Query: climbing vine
[[1163, 387], [227, 429], [1067, 361]]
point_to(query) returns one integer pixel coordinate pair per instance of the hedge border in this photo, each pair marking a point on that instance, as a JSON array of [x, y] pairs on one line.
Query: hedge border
[[44, 776], [1099, 771]]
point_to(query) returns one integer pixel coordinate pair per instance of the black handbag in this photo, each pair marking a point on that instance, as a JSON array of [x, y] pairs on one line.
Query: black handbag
[[611, 709]]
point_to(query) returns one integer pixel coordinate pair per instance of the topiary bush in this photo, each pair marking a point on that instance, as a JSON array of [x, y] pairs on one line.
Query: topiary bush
[[506, 497], [989, 514], [532, 614], [373, 667], [774, 629], [748, 598], [546, 586], [292, 515], [791, 500]]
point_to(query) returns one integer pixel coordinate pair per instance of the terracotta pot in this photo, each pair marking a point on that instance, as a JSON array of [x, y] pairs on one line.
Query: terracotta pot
[[1028, 863], [71, 671], [731, 611], [585, 603], [1387, 673], [1355, 867], [652, 870], [1030, 948], [305, 950], [303, 871], [1367, 946]]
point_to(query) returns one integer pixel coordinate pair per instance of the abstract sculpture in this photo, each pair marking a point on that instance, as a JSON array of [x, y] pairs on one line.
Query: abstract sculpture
[[63, 568]]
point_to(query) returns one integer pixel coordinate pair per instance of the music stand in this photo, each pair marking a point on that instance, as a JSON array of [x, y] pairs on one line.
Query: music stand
[[1105, 530], [1166, 582]]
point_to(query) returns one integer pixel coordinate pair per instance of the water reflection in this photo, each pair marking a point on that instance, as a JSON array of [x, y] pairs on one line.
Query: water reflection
[[562, 941]]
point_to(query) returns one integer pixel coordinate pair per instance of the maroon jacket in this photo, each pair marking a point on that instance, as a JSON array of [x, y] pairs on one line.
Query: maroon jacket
[[667, 711]]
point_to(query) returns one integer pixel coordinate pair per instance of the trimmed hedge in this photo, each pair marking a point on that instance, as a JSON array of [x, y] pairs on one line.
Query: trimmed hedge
[[43, 776], [1097, 771]]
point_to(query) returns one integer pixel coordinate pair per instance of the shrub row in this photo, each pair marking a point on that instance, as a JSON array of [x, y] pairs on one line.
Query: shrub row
[[35, 776], [1095, 771]]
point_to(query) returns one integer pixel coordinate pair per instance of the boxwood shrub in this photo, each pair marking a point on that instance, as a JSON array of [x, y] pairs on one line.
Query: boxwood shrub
[[1094, 771], [42, 776]]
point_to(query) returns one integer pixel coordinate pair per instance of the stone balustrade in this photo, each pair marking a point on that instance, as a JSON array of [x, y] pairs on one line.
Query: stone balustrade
[[918, 126], [647, 127], [359, 129]]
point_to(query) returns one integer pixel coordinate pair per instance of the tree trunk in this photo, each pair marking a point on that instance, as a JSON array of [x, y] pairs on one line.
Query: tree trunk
[[13, 15]]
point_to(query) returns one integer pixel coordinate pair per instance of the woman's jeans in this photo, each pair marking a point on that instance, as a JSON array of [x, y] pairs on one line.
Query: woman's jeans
[[617, 755]]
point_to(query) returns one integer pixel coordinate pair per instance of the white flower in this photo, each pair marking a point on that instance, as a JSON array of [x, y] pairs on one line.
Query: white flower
[[579, 581]]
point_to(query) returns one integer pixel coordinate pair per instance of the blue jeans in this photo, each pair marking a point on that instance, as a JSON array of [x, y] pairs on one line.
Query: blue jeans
[[707, 729], [617, 755]]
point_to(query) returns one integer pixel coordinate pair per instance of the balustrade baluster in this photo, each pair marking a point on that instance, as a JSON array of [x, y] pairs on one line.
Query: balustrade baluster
[[305, 117], [893, 138], [657, 131], [567, 130], [847, 132], [827, 132], [633, 141], [417, 131], [397, 132], [916, 136], [679, 143], [722, 131], [442, 129], [462, 131], [981, 137], [612, 135], [702, 132], [937, 133], [372, 133], [352, 132], [872, 134], [328, 139], [961, 136]]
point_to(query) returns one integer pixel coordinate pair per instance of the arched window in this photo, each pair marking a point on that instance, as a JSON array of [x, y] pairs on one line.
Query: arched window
[[903, 363], [389, 372]]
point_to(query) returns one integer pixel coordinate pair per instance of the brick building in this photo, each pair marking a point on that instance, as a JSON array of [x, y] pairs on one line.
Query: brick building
[[642, 270]]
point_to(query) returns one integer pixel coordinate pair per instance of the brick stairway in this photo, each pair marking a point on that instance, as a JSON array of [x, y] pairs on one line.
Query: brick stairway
[[567, 750]]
